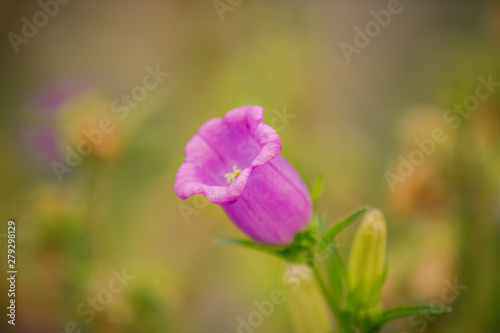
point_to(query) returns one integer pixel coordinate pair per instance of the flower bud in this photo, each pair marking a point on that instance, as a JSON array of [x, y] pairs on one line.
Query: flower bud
[[309, 311], [367, 262]]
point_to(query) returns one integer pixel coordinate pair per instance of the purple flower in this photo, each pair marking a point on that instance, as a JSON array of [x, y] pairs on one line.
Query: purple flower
[[235, 163]]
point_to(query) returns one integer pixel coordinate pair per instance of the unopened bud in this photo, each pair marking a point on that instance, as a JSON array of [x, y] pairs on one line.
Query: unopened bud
[[367, 261]]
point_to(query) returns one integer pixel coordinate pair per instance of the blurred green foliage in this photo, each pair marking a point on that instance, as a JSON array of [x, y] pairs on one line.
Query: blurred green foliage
[[117, 209]]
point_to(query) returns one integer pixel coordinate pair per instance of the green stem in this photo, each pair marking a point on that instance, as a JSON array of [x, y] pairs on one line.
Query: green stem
[[344, 325]]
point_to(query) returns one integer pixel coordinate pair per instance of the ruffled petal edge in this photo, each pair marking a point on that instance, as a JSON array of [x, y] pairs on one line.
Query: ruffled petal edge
[[188, 182]]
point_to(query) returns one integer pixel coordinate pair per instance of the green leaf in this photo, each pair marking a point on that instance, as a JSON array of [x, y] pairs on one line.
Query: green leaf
[[338, 227], [317, 188], [337, 274], [301, 248], [335, 268], [275, 250], [337, 271], [404, 311]]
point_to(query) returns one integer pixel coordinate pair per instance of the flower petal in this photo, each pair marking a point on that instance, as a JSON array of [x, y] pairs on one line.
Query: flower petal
[[275, 204], [239, 139]]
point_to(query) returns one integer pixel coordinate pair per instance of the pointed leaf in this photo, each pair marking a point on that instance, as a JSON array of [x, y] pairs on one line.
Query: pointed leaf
[[338, 227], [275, 250], [404, 311], [337, 274], [317, 188], [335, 268]]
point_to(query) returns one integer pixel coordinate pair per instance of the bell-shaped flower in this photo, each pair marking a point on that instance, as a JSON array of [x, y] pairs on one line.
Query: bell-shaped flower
[[235, 162]]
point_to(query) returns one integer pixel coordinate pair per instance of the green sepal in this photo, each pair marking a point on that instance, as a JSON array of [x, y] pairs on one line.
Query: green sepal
[[272, 249], [302, 246], [317, 188], [298, 251]]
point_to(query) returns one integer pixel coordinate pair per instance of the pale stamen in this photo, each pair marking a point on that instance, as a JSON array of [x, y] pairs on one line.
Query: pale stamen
[[231, 176]]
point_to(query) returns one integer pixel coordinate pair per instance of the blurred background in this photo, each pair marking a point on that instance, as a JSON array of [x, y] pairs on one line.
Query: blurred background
[[82, 221]]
